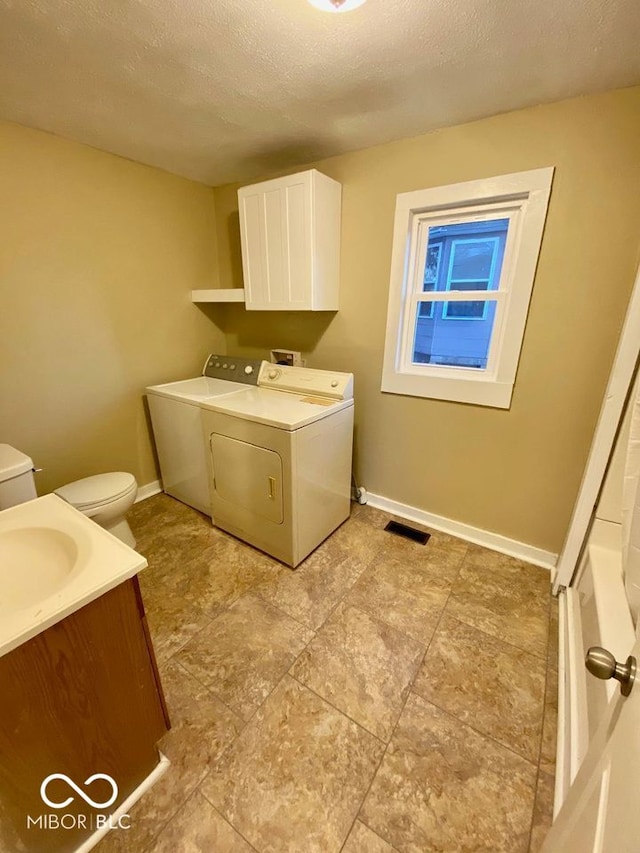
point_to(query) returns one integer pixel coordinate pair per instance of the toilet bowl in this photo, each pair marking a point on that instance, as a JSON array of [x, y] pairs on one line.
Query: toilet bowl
[[106, 498]]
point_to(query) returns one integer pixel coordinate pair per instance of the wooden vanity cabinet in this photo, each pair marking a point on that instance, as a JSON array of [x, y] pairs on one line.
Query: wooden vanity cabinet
[[82, 697]]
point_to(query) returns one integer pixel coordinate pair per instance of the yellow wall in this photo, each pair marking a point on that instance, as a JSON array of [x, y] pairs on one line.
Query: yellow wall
[[97, 258], [513, 472]]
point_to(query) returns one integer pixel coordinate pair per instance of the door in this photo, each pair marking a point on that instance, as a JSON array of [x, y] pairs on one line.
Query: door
[[624, 365], [602, 810], [247, 477], [275, 229]]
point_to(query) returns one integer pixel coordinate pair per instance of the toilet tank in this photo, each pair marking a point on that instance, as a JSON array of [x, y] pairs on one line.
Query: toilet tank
[[16, 477]]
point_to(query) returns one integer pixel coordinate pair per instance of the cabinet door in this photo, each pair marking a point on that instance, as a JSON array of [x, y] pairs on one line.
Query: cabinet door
[[275, 226], [248, 477], [82, 697]]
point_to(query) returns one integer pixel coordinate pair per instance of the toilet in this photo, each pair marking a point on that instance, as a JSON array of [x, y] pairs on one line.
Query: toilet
[[106, 498]]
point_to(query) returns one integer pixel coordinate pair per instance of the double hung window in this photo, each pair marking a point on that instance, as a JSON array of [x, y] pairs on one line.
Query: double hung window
[[464, 259]]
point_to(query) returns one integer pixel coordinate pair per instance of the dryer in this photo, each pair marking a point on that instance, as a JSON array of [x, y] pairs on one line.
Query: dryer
[[279, 459]]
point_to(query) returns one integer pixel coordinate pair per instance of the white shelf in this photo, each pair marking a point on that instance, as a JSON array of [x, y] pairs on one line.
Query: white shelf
[[231, 294]]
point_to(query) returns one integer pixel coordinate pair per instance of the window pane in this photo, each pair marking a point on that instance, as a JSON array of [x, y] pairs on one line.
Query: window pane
[[432, 265], [456, 340], [472, 258], [466, 251], [469, 310]]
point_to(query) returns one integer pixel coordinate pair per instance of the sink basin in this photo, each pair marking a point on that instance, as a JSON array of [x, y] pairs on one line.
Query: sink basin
[[35, 562], [53, 561]]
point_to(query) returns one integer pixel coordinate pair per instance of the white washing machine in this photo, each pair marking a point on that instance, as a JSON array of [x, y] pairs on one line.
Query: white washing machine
[[279, 459], [177, 427]]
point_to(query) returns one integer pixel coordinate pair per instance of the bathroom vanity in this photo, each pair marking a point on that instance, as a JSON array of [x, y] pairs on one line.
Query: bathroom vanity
[[79, 688]]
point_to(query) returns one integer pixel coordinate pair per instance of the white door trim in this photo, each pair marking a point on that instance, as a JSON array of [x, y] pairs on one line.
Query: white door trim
[[610, 414]]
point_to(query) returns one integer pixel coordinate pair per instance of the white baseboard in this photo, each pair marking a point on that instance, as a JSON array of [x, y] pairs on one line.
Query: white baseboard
[[563, 739], [123, 809], [148, 490], [511, 547]]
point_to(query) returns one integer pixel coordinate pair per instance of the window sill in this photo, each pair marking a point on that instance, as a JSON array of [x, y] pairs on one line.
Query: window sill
[[472, 389]]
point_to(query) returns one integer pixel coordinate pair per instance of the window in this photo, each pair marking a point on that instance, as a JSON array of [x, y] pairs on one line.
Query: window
[[463, 264]]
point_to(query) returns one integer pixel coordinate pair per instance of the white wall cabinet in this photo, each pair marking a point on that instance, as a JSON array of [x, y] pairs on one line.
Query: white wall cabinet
[[290, 233]]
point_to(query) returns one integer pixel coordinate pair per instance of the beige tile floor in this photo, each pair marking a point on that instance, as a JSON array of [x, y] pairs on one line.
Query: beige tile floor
[[385, 696]]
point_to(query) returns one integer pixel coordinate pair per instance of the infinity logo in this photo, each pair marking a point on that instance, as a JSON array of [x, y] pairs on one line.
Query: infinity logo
[[85, 797]]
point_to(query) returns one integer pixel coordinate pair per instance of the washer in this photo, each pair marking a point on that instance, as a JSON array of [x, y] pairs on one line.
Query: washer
[[177, 428], [279, 458]]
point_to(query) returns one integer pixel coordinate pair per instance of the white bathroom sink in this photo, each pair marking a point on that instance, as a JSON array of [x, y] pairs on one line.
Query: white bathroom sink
[[35, 562], [53, 561]]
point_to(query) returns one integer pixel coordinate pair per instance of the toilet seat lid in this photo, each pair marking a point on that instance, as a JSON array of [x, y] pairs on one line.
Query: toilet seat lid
[[99, 489]]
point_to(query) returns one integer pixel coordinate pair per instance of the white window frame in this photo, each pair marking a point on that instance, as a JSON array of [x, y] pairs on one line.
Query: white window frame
[[522, 198]]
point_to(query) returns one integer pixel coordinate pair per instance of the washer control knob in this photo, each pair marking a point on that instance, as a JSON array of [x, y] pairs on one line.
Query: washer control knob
[[273, 374], [232, 367], [225, 365], [334, 383], [248, 370], [217, 364]]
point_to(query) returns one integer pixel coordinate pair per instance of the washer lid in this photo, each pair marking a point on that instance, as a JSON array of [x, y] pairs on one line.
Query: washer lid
[[194, 390], [99, 489], [13, 462]]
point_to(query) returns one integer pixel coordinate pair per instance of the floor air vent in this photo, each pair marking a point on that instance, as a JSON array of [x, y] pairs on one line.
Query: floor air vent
[[408, 532]]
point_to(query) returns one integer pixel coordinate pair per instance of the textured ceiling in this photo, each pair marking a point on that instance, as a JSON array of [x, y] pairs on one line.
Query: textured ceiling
[[223, 90]]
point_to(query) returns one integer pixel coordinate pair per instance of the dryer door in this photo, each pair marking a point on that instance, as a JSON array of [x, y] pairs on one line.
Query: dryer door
[[248, 476]]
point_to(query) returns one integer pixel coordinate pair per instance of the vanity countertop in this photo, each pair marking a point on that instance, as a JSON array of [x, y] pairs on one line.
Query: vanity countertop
[[53, 561]]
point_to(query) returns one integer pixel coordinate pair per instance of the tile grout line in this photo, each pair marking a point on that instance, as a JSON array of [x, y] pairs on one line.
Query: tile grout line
[[404, 705], [481, 734], [196, 790], [227, 750], [331, 612], [212, 692], [166, 660], [273, 606], [381, 621], [283, 612], [542, 656], [338, 710], [217, 811], [387, 625], [367, 565], [464, 722], [286, 672], [147, 847]]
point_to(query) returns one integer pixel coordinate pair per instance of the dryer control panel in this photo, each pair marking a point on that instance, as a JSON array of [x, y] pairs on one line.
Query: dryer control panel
[[245, 370], [305, 380]]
